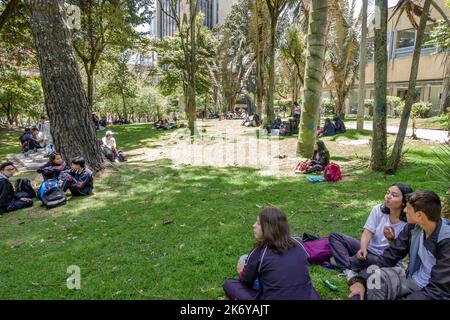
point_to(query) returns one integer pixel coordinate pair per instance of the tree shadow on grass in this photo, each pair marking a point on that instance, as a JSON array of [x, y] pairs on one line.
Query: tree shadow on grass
[[125, 250]]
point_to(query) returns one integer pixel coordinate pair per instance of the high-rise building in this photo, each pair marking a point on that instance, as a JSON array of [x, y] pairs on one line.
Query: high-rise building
[[214, 11]]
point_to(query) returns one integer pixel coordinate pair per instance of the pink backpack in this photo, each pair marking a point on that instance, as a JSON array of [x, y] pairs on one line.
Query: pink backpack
[[319, 250], [332, 172]]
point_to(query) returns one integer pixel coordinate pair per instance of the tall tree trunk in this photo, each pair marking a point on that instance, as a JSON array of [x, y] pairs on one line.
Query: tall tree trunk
[[193, 9], [8, 12], [259, 62], [362, 70], [445, 97], [65, 99], [379, 134], [317, 31], [411, 93], [270, 114], [90, 85]]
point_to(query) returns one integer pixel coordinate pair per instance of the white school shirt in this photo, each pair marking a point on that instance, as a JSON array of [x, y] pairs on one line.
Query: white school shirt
[[375, 223], [423, 275], [109, 142]]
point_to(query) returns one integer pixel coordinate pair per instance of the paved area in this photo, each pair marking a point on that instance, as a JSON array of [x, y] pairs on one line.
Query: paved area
[[427, 134], [31, 162]]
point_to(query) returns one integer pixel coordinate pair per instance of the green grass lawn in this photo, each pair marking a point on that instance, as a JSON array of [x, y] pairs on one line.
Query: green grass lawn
[[9, 143], [124, 250]]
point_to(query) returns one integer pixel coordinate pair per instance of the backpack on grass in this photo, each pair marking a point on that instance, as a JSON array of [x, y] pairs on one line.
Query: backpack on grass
[[24, 185], [332, 172], [51, 194]]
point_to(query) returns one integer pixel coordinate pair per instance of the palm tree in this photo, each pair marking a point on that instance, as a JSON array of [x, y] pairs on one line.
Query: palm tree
[[362, 69], [342, 54], [275, 8], [259, 22], [317, 31]]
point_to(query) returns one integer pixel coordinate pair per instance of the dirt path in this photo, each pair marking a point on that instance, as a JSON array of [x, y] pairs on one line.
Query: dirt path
[[227, 143]]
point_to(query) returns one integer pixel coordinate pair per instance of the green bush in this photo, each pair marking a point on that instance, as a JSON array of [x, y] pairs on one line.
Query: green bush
[[328, 106], [368, 103], [395, 103], [419, 109]]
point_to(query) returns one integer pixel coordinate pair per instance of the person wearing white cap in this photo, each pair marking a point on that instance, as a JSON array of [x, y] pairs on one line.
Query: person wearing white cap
[[109, 142]]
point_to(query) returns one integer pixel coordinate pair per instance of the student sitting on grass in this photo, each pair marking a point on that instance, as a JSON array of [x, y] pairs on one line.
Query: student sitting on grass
[[10, 200], [109, 142], [339, 125], [426, 239], [275, 125], [28, 142], [53, 168], [318, 162], [79, 179], [327, 130], [384, 224], [278, 261]]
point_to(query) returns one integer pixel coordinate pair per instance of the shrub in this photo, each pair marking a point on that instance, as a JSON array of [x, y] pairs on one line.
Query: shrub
[[421, 109], [368, 103], [395, 104], [328, 106]]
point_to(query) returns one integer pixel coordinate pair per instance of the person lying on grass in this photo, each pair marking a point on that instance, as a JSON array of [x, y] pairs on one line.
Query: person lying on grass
[[384, 224], [426, 239], [10, 200], [79, 179], [318, 162], [53, 168], [278, 261]]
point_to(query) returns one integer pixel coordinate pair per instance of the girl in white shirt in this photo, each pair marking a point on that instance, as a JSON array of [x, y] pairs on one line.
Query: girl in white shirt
[[383, 225]]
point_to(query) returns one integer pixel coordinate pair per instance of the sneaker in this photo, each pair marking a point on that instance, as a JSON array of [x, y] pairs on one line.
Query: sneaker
[[348, 274], [117, 160]]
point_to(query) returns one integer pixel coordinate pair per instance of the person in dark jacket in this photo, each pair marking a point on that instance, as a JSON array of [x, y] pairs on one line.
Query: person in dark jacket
[[275, 125], [10, 200], [327, 130], [28, 142], [339, 125], [53, 168], [319, 160], [79, 179], [278, 264], [426, 239]]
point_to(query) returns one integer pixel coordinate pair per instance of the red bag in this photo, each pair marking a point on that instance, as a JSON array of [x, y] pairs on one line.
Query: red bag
[[301, 167], [332, 172]]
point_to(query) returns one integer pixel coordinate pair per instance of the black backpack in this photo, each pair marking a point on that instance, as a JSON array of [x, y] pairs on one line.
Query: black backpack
[[24, 185], [122, 157], [107, 152]]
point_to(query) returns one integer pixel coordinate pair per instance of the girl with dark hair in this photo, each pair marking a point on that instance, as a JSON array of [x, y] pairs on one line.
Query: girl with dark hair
[[383, 225], [318, 162], [278, 264], [53, 168]]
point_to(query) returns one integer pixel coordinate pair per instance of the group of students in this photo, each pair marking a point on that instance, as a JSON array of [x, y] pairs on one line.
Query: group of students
[[330, 128], [77, 178], [407, 224], [37, 137]]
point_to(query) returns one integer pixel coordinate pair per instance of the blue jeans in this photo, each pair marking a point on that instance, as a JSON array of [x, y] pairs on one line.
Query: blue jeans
[[18, 204]]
